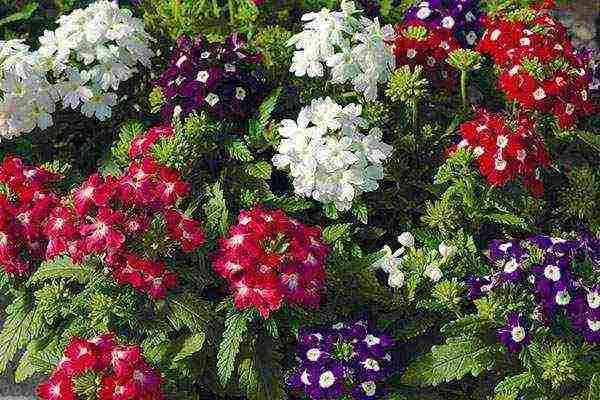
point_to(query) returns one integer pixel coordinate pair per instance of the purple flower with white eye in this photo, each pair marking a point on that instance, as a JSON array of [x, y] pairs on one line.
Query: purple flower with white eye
[[515, 334], [342, 360], [585, 311], [461, 17], [219, 78]]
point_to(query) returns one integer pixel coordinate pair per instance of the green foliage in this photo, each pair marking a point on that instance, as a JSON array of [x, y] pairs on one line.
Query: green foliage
[[236, 325], [453, 360]]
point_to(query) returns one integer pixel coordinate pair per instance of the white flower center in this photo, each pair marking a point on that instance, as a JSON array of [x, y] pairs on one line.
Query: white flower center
[[495, 34], [448, 22], [593, 325], [500, 164], [570, 108], [304, 378], [212, 99], [371, 364], [593, 299], [369, 388], [423, 13], [371, 340], [539, 94], [518, 334], [202, 76], [313, 355], [521, 154], [552, 272], [327, 379], [240, 93], [511, 266], [563, 298], [411, 53], [501, 141]]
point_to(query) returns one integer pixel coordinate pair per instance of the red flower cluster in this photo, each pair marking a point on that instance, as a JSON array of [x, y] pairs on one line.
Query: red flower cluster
[[504, 152], [419, 44], [540, 69], [269, 258], [123, 373], [105, 218], [23, 211]]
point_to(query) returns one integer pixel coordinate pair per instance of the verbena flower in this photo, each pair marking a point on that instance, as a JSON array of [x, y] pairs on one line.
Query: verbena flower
[[515, 334], [462, 18], [270, 259], [91, 52], [331, 160], [358, 50], [505, 150], [217, 77], [121, 371], [343, 361]]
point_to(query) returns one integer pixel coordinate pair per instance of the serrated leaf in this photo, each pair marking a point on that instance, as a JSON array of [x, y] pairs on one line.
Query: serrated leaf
[[238, 150], [190, 311], [290, 204], [451, 361], [507, 219], [23, 14], [191, 345], [471, 324], [236, 325], [25, 368], [590, 138], [261, 170], [268, 105], [216, 216], [594, 392], [61, 267], [20, 327], [511, 385], [333, 233]]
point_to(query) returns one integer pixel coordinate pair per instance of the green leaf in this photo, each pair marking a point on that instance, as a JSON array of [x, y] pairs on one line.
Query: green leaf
[[268, 105], [594, 392], [267, 364], [236, 325], [191, 345], [61, 267], [512, 385], [216, 216], [25, 368], [508, 219], [333, 233], [238, 150], [451, 361], [469, 325], [25, 13], [590, 138], [290, 204], [20, 327], [260, 170], [190, 311]]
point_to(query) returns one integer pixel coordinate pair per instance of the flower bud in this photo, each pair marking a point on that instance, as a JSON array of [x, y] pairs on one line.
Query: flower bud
[[406, 239], [396, 279], [446, 251]]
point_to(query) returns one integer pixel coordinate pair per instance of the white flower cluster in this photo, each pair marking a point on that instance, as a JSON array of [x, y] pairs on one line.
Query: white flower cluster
[[91, 52], [391, 262], [358, 50], [328, 158]]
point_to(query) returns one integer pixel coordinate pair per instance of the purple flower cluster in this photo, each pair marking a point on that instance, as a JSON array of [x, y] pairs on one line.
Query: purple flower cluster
[[461, 17], [547, 268], [344, 360], [217, 77]]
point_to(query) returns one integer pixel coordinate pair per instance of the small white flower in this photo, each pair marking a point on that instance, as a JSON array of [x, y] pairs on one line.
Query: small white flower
[[240, 93], [500, 164], [212, 99], [446, 251], [593, 299], [502, 141], [411, 53], [406, 239], [563, 298], [313, 355], [433, 272], [202, 76], [495, 34], [511, 266], [371, 364], [593, 325], [448, 22], [371, 340], [327, 379], [518, 334], [539, 94], [396, 279], [370, 388], [305, 378], [552, 272], [424, 13]]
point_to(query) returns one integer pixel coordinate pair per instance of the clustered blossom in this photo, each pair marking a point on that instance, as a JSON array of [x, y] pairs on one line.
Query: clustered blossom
[[546, 268], [328, 157], [505, 150], [121, 370], [539, 68], [344, 361], [269, 258], [358, 50], [419, 44], [215, 77], [25, 205], [80, 63], [462, 18], [103, 217]]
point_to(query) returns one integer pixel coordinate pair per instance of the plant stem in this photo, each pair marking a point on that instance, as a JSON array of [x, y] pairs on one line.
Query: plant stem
[[231, 11], [463, 88], [414, 105]]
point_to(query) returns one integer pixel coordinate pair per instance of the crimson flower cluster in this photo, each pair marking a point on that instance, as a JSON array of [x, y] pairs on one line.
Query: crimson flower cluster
[[269, 258], [103, 216], [24, 208], [539, 67], [548, 269], [219, 78], [461, 17], [417, 43], [122, 372], [505, 150], [347, 361]]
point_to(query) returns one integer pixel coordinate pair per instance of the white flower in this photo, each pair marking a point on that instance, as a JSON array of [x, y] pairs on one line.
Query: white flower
[[446, 251], [433, 272], [390, 261], [326, 155], [396, 279], [99, 106], [327, 379], [74, 90], [406, 239]]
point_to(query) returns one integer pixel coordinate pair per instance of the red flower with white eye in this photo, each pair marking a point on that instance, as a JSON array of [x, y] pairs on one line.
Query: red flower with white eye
[[102, 235], [145, 378], [141, 145], [123, 359], [59, 386], [113, 388], [269, 258], [81, 356], [170, 187], [93, 192], [185, 230]]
